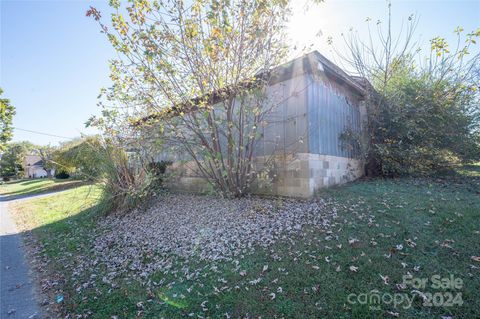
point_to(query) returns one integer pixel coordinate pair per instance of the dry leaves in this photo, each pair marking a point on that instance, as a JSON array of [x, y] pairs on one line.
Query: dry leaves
[[385, 279], [203, 227]]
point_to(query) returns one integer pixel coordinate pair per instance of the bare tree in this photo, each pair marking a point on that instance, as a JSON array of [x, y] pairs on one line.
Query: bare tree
[[200, 71]]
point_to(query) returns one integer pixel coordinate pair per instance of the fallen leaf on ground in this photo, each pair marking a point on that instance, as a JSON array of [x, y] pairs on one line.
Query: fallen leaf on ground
[[385, 279]]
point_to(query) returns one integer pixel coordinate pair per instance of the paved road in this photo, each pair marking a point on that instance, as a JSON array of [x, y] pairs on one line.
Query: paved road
[[17, 296]]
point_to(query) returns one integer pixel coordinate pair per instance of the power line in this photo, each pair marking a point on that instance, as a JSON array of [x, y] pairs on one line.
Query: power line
[[41, 133]]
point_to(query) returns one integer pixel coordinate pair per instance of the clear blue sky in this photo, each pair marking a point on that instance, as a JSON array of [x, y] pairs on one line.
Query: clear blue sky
[[53, 63], [54, 59]]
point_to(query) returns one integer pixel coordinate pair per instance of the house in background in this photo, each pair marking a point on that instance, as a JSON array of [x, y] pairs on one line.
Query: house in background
[[33, 167], [319, 103]]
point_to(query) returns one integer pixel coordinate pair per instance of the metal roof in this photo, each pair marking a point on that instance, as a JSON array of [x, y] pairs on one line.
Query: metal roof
[[307, 63]]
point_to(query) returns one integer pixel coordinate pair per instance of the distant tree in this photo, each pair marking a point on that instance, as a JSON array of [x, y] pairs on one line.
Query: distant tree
[[47, 153], [11, 163], [63, 157], [7, 111], [81, 157]]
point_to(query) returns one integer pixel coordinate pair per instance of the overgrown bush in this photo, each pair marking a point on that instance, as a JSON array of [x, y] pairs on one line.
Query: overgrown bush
[[423, 110], [81, 157], [126, 177], [158, 170], [424, 125], [127, 181]]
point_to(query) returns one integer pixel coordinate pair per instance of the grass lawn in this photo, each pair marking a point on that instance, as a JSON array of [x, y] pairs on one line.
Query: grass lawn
[[385, 230], [35, 186], [53, 213]]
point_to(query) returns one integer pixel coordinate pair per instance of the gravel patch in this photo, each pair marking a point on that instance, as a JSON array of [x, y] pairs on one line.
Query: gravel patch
[[200, 227]]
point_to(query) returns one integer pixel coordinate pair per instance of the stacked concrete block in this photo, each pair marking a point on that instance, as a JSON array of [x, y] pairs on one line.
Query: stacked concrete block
[[316, 104]]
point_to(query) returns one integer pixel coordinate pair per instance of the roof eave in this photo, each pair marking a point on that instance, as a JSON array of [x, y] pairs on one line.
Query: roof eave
[[338, 72]]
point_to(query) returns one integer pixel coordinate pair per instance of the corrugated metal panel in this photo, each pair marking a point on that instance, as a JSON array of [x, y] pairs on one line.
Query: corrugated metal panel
[[287, 123], [329, 115]]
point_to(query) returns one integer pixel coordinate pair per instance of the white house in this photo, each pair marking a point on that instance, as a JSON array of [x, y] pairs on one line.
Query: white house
[[33, 167]]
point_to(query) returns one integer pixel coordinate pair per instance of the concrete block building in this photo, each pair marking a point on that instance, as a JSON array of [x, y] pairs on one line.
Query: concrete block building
[[319, 102]]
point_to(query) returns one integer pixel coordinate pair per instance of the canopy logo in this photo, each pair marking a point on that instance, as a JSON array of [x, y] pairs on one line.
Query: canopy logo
[[445, 295]]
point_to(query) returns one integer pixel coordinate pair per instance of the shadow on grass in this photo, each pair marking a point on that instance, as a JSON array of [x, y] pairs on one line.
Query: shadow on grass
[[40, 189], [23, 181], [466, 176], [66, 235], [34, 181]]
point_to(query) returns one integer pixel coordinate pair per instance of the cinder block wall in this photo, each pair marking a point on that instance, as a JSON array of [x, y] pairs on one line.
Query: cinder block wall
[[326, 170], [299, 175], [304, 134], [303, 174]]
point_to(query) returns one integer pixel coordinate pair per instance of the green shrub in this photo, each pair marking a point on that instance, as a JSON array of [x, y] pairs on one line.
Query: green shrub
[[158, 170], [423, 125], [62, 175]]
